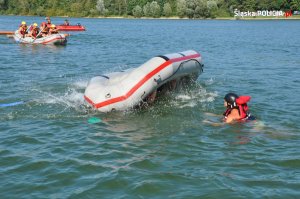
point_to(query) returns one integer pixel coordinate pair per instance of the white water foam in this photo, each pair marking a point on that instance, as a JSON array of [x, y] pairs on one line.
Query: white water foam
[[72, 97], [80, 84], [209, 81], [194, 97]]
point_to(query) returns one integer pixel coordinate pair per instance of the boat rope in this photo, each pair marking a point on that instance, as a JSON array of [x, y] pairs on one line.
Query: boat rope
[[181, 64], [12, 104]]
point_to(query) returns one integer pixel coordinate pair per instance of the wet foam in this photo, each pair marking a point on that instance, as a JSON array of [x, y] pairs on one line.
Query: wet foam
[[209, 81], [194, 97], [72, 97], [82, 84]]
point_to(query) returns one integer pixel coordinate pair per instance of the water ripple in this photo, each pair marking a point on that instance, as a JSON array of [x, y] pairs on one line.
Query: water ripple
[[49, 150]]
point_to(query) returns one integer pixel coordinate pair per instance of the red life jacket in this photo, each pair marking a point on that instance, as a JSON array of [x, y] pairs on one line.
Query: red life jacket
[[241, 105], [35, 32], [23, 30]]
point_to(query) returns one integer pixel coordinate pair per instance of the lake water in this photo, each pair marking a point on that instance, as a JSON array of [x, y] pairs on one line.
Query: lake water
[[48, 149]]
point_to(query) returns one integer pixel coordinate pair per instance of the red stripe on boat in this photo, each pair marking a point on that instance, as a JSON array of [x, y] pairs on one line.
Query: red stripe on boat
[[56, 38], [89, 101], [140, 83]]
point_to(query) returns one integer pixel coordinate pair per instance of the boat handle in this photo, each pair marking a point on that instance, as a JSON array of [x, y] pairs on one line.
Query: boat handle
[[158, 80]]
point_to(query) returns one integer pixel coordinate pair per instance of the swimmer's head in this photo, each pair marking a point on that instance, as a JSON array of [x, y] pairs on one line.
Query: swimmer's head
[[230, 100]]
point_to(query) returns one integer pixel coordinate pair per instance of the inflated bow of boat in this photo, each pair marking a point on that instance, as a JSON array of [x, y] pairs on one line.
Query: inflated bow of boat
[[126, 89]]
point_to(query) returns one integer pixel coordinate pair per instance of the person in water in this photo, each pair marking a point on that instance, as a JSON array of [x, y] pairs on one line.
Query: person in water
[[23, 29], [237, 108]]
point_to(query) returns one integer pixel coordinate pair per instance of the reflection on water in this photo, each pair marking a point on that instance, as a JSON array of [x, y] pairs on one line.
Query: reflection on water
[[38, 48]]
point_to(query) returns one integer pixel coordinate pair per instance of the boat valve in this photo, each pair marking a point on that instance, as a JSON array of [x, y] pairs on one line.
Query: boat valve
[[158, 80]]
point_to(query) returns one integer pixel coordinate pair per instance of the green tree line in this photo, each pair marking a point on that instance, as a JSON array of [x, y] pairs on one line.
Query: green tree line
[[142, 8]]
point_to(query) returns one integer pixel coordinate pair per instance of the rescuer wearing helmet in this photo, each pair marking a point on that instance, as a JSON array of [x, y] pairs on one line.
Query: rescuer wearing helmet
[[237, 108], [48, 21], [34, 31], [45, 29], [23, 29], [53, 30], [66, 22]]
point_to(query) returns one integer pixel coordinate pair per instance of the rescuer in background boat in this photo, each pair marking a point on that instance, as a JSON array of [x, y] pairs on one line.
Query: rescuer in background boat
[[48, 21], [66, 23], [34, 31], [53, 30], [45, 29], [23, 29]]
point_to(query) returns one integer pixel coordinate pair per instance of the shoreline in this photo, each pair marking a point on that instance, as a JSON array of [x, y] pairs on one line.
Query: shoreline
[[295, 17], [186, 18]]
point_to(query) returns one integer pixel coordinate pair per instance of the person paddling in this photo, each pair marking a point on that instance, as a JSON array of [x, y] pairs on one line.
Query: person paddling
[[53, 30], [34, 32], [237, 108], [23, 29], [45, 29], [48, 21]]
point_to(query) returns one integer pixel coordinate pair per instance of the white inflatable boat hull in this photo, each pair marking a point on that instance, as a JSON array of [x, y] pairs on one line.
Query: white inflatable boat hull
[[124, 90], [55, 39]]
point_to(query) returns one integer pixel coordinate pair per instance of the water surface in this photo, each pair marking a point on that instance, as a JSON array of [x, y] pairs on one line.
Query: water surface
[[49, 150]]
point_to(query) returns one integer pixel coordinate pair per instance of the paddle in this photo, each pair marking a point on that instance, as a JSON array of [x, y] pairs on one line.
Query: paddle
[[41, 31], [94, 120], [12, 104], [28, 27], [5, 32], [38, 35]]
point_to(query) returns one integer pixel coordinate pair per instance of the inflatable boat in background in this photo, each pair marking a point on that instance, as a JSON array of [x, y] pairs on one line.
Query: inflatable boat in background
[[77, 27], [55, 39], [127, 89]]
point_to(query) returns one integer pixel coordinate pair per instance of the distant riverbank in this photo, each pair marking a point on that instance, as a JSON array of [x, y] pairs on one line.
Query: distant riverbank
[[294, 17], [217, 18], [50, 147]]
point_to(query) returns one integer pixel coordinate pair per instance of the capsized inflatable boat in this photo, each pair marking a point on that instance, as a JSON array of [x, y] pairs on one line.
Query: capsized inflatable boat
[[56, 39], [127, 89]]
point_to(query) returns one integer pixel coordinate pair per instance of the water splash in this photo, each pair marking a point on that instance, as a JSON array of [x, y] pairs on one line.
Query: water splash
[[70, 99], [81, 84], [52, 103], [196, 96]]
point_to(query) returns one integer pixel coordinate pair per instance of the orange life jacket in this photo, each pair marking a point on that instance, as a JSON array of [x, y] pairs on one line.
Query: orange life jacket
[[241, 105]]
